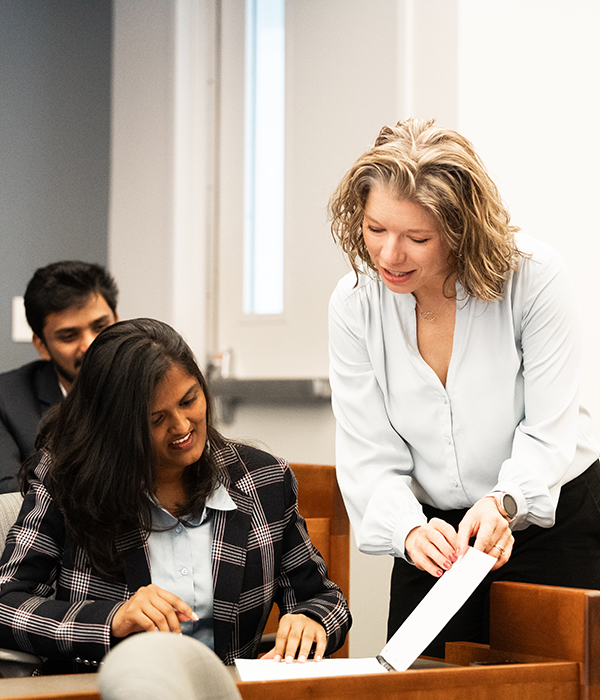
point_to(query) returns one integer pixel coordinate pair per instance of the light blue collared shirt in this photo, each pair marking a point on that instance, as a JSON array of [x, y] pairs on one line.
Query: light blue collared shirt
[[180, 560]]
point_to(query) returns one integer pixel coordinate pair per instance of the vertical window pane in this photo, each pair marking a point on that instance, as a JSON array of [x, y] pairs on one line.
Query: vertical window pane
[[264, 156]]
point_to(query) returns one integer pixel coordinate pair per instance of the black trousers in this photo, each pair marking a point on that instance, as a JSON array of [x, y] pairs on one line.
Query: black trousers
[[567, 554]]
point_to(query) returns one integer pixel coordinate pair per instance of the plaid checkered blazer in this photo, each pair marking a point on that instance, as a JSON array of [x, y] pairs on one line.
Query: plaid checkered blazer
[[261, 553]]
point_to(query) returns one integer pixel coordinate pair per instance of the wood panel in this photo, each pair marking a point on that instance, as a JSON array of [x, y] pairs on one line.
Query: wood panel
[[549, 681], [319, 496], [550, 621]]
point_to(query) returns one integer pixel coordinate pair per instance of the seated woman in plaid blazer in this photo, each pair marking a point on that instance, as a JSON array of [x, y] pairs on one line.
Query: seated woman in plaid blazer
[[142, 517]]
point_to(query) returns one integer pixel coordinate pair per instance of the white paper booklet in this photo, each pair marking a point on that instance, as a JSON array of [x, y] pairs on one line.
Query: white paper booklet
[[425, 622]]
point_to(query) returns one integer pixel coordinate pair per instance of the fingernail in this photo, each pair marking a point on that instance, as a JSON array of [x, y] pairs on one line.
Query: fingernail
[[277, 657], [317, 658], [289, 659], [195, 617], [439, 572], [302, 659]]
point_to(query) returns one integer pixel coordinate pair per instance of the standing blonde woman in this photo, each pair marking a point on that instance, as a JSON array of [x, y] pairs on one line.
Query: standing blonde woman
[[455, 368]]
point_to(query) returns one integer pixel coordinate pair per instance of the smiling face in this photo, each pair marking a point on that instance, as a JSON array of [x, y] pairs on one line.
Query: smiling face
[[69, 333], [405, 244], [177, 421]]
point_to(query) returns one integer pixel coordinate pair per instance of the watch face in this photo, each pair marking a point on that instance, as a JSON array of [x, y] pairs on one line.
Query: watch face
[[510, 505]]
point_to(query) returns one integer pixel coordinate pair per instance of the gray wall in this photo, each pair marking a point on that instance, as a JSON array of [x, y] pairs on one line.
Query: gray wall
[[55, 72]]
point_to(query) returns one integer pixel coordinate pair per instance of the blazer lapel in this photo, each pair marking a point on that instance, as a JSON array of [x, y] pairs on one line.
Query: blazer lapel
[[230, 539], [47, 387]]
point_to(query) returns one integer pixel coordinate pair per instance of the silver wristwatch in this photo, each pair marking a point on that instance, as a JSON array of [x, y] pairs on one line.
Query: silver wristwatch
[[506, 504]]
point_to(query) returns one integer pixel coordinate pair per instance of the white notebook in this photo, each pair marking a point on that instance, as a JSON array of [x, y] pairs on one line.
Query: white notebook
[[422, 626]]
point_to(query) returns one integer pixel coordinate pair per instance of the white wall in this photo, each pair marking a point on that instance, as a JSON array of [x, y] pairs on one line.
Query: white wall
[[161, 203], [518, 77], [528, 99]]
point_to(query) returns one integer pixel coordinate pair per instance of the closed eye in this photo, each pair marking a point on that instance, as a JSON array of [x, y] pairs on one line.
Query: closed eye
[[100, 327], [374, 230], [68, 338], [189, 402]]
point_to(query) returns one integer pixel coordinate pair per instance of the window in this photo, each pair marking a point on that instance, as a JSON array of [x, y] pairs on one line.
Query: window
[[264, 156]]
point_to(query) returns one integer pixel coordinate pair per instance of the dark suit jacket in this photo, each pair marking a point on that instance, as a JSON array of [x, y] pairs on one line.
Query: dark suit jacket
[[26, 394], [261, 553]]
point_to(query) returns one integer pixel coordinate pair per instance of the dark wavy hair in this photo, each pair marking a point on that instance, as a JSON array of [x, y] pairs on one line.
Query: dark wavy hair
[[439, 170], [99, 438]]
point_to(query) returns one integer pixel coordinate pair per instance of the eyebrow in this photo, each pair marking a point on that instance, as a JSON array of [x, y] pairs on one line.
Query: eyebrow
[[101, 319]]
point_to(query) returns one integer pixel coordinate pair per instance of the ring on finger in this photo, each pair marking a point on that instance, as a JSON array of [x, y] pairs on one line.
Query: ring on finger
[[499, 548]]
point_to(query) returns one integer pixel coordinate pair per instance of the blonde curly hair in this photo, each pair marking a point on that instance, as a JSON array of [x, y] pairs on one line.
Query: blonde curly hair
[[438, 169]]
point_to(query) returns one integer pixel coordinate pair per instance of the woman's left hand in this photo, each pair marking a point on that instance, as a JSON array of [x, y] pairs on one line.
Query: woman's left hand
[[490, 529], [295, 635]]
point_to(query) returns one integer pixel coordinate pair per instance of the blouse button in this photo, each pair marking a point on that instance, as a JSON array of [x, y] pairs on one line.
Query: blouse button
[[184, 571]]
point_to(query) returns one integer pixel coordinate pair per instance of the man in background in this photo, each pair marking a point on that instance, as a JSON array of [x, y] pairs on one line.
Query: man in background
[[67, 304]]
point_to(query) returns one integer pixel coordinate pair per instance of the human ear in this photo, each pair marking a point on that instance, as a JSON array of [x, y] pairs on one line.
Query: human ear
[[40, 346]]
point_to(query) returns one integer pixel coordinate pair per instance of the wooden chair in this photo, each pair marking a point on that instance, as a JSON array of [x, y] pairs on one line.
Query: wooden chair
[[320, 504]]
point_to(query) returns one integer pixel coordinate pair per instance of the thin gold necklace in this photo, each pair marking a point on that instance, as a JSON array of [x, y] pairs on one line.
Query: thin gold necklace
[[429, 315]]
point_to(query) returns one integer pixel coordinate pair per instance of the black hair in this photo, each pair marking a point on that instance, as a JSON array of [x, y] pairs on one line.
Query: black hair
[[99, 438], [63, 284]]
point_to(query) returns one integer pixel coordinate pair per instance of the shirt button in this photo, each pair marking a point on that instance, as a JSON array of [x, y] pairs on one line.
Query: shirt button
[[178, 529], [184, 571]]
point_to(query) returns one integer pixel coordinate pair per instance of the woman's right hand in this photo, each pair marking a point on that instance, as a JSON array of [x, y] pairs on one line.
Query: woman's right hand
[[432, 547], [151, 609]]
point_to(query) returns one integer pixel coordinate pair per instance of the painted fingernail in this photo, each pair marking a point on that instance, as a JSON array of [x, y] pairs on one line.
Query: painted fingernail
[[439, 572], [277, 657], [289, 659], [195, 617], [302, 659], [317, 658]]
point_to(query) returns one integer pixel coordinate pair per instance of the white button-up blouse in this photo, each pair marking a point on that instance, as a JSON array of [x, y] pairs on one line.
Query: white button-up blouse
[[508, 418]]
